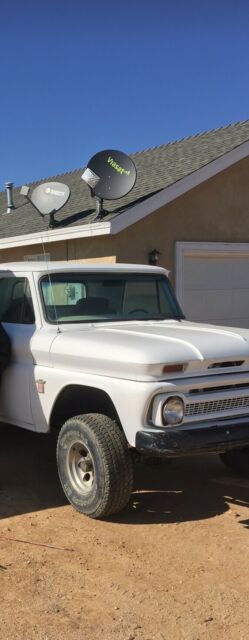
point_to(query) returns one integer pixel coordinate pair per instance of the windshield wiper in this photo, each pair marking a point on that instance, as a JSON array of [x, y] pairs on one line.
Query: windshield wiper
[[161, 317]]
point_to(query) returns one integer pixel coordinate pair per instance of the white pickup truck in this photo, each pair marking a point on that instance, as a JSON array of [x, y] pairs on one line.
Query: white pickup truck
[[104, 355]]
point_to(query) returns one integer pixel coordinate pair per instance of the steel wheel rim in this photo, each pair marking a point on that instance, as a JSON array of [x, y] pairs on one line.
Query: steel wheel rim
[[80, 467]]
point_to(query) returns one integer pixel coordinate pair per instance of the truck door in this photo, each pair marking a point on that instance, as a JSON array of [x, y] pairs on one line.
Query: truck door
[[18, 318]]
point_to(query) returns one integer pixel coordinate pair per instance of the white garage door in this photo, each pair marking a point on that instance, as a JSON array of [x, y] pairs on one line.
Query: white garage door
[[212, 282]]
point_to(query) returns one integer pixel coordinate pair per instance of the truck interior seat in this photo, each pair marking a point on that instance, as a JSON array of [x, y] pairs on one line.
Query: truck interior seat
[[92, 305], [20, 311]]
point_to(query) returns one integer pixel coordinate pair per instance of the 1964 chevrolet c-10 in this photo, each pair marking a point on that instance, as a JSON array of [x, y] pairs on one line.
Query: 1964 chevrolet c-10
[[104, 355]]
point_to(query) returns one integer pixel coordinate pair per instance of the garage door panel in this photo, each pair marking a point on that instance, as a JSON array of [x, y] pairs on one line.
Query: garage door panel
[[217, 304], [233, 322], [239, 322], [215, 284], [223, 273]]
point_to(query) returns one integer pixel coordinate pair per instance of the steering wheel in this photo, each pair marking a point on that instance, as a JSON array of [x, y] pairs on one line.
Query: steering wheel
[[137, 311]]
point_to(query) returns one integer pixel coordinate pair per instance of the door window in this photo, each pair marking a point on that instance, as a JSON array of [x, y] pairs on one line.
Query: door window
[[16, 304]]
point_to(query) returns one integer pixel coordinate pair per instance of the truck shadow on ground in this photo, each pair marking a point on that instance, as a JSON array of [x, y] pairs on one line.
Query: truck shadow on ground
[[183, 490], [165, 492], [28, 473]]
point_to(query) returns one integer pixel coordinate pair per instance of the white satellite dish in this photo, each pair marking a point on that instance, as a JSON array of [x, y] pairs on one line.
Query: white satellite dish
[[48, 197]]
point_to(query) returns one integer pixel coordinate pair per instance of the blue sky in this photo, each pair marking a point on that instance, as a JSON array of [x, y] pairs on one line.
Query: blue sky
[[81, 76]]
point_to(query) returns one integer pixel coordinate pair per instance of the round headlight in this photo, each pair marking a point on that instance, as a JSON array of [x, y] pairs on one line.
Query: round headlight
[[173, 411]]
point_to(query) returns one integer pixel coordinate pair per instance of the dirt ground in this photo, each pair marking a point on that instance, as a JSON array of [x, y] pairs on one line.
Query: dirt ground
[[174, 565]]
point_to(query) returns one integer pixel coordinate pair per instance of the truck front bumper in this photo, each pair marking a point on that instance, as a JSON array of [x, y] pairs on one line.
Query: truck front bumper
[[176, 442]]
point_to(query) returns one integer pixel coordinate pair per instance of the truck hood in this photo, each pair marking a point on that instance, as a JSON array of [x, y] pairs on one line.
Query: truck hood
[[137, 350]]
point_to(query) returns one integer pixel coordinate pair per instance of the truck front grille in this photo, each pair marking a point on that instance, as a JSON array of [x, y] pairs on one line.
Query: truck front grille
[[216, 406]]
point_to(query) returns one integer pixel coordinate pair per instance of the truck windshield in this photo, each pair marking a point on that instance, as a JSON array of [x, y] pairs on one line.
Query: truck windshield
[[85, 297]]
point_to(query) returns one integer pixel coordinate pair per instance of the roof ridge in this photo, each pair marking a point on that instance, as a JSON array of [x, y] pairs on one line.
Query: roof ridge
[[191, 137], [139, 153]]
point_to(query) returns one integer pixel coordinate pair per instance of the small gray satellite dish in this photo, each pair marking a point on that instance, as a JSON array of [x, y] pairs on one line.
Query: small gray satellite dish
[[49, 197]]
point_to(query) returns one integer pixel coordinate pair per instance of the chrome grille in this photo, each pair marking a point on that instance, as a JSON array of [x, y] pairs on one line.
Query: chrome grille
[[216, 406]]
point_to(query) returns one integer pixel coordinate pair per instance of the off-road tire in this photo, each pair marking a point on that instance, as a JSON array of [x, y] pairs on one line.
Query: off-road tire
[[110, 465], [237, 461]]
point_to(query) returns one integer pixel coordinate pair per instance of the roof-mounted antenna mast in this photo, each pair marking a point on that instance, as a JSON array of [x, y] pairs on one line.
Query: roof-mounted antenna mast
[[92, 180], [99, 207]]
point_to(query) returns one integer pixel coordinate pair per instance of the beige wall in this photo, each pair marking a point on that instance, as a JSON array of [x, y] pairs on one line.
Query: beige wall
[[57, 250], [216, 211], [102, 248]]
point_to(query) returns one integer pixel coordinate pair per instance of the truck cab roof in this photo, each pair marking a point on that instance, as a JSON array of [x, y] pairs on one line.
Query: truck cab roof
[[44, 266]]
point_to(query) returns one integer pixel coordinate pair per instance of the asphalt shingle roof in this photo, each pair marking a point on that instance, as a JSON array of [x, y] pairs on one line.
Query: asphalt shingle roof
[[157, 168]]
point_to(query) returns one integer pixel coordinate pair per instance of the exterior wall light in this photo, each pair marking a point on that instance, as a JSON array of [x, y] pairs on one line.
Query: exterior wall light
[[154, 256]]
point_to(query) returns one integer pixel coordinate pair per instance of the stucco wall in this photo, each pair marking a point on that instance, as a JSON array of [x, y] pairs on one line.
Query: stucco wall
[[216, 211], [102, 248], [57, 250]]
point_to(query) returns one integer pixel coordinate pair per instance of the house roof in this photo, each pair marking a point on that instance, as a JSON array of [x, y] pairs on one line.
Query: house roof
[[157, 169]]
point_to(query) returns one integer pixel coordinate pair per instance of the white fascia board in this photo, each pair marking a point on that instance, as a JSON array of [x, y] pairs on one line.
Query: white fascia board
[[57, 235], [137, 212], [143, 209]]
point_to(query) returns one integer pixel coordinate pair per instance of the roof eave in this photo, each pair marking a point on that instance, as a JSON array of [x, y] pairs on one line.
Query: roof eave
[[57, 235]]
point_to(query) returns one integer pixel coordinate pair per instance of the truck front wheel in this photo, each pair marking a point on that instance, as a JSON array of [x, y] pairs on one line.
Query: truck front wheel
[[94, 465], [237, 460]]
